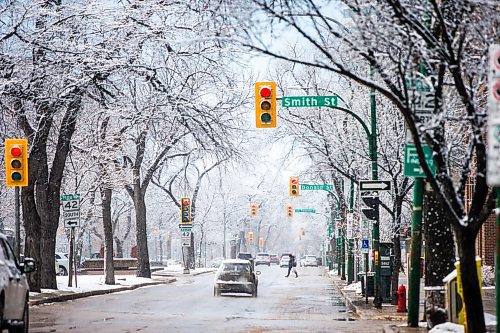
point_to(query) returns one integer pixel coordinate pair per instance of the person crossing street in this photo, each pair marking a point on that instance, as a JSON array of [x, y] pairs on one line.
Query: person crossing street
[[291, 266]]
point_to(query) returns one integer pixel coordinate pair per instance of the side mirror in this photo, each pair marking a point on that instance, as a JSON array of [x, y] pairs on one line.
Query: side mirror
[[29, 265], [257, 272]]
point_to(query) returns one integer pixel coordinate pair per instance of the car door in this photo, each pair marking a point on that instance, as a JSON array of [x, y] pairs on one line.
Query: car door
[[16, 284]]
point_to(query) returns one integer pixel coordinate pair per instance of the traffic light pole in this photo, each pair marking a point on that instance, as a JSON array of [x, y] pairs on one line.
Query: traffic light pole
[[17, 245], [377, 301], [350, 241], [415, 250]]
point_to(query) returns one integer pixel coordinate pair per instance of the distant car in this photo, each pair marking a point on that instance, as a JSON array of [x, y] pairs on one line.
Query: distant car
[[14, 289], [274, 259], [236, 276], [62, 263], [310, 260], [246, 256], [284, 260], [262, 259]]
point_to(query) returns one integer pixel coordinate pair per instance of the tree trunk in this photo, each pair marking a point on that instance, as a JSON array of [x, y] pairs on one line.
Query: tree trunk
[[143, 267], [439, 258], [32, 230], [470, 282], [119, 247], [109, 270]]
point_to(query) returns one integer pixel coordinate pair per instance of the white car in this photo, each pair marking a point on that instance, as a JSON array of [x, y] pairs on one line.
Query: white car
[[14, 289], [284, 261], [309, 260], [262, 259], [62, 263]]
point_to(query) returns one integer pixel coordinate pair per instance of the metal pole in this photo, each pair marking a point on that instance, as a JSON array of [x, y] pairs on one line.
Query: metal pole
[[224, 240], [74, 254], [377, 301], [497, 262], [350, 241], [17, 244], [415, 250]]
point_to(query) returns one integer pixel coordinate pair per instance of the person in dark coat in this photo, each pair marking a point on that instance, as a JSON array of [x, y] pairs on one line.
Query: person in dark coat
[[291, 266]]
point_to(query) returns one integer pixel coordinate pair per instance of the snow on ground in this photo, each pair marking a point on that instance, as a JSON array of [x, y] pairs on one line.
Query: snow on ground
[[448, 328], [353, 287]]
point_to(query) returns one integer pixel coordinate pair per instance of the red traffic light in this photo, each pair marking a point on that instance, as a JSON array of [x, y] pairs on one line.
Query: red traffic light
[[185, 202], [265, 92], [15, 151]]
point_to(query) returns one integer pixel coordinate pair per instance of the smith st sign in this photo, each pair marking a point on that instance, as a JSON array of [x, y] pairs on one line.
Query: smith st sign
[[308, 101]]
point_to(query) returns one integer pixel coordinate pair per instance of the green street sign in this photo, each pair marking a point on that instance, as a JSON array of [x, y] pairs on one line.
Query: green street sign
[[70, 197], [185, 229], [305, 210], [412, 164], [308, 187], [308, 101]]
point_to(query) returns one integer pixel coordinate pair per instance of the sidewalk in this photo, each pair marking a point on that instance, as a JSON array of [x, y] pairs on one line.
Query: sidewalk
[[92, 285], [357, 303]]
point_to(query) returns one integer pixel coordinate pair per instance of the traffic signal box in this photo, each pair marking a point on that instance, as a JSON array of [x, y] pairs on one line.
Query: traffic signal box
[[16, 162], [369, 206], [250, 237], [265, 104], [185, 210], [261, 243], [294, 186], [289, 211], [253, 209]]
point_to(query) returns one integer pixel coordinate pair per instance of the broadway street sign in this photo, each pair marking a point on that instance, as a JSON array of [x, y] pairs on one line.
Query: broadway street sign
[[326, 187], [308, 101], [412, 164]]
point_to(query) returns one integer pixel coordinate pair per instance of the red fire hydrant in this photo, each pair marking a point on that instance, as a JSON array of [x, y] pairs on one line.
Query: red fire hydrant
[[402, 299]]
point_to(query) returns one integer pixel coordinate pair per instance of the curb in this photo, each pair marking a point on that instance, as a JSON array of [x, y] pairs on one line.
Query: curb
[[77, 295]]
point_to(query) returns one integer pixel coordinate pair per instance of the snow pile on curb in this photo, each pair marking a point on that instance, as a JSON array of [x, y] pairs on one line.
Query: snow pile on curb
[[353, 287], [447, 328]]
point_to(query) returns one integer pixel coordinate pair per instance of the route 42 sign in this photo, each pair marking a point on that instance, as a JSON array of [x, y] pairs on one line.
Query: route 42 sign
[[71, 210]]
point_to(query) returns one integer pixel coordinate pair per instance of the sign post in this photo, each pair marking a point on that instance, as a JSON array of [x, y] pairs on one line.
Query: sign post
[[71, 214]]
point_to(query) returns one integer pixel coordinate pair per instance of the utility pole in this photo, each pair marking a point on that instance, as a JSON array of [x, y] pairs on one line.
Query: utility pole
[[350, 241]]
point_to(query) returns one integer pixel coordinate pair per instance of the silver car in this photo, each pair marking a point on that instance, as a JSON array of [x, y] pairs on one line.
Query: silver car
[[14, 290], [236, 276]]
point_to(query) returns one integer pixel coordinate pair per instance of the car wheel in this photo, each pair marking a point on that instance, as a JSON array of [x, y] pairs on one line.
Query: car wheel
[[216, 291], [23, 328], [62, 271], [254, 292]]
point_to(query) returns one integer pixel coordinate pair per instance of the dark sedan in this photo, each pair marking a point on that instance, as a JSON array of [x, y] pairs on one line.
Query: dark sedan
[[236, 276]]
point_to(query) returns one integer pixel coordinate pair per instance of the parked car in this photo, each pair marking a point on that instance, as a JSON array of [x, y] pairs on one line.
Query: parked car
[[14, 289], [236, 276], [62, 263], [262, 259], [246, 256], [284, 260], [274, 259], [309, 260]]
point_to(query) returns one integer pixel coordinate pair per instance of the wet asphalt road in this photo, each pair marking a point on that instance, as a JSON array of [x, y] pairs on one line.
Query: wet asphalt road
[[305, 304]]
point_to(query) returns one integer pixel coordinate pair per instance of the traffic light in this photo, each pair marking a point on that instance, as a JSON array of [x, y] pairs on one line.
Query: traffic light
[[294, 186], [289, 211], [16, 162], [494, 80], [369, 206], [185, 210], [250, 237], [253, 209], [261, 243], [493, 163], [265, 104]]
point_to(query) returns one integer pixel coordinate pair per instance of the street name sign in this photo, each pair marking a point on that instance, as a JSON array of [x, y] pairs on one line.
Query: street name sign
[[374, 185], [308, 101], [308, 187], [71, 210], [185, 230], [305, 210], [412, 164]]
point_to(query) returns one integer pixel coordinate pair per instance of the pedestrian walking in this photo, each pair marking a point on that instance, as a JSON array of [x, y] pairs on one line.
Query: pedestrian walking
[[291, 266]]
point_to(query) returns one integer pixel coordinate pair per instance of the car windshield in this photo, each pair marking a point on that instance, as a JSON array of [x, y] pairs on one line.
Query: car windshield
[[263, 255], [235, 267], [311, 257], [245, 256]]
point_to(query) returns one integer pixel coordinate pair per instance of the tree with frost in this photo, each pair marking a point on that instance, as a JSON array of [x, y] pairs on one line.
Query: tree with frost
[[439, 46]]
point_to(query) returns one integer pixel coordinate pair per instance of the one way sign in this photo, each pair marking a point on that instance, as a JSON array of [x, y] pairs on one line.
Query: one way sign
[[374, 185]]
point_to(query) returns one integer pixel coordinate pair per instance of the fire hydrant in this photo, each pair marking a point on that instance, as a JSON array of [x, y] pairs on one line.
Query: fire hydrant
[[402, 299]]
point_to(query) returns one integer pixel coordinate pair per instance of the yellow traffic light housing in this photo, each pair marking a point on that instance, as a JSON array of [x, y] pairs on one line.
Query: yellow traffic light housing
[[265, 104], [186, 210], [294, 186], [289, 211], [261, 243], [250, 237], [253, 209], [16, 162]]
